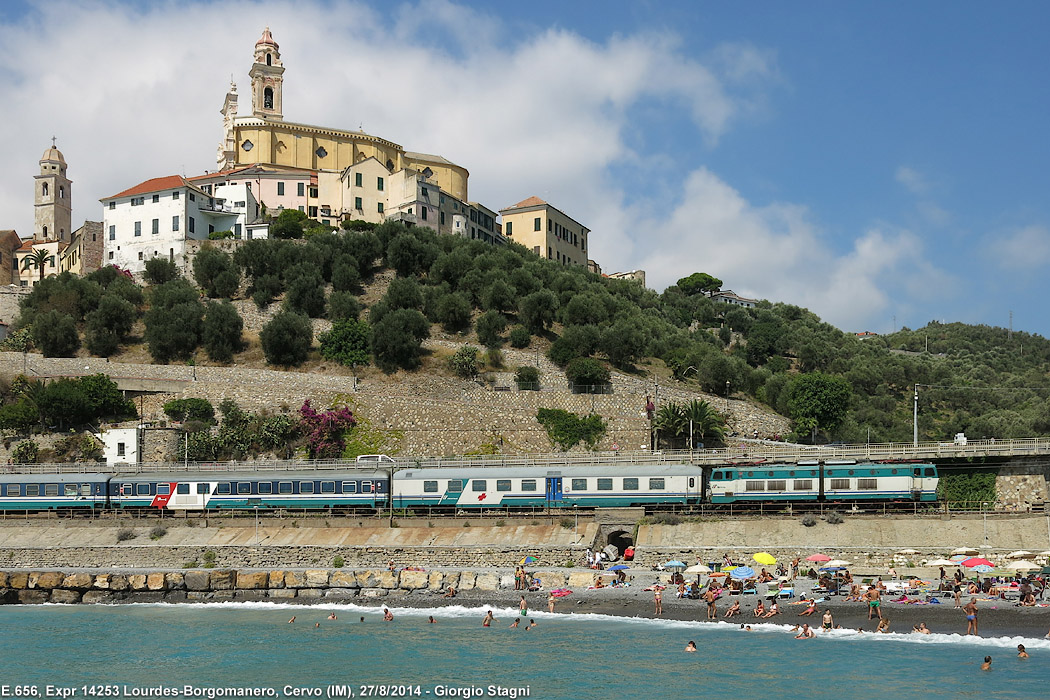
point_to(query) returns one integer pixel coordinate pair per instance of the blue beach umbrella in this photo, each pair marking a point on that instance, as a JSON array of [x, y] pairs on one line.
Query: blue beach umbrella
[[619, 567], [983, 568], [742, 572]]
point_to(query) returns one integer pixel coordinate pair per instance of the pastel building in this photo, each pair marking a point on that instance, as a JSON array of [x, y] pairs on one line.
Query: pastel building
[[546, 231]]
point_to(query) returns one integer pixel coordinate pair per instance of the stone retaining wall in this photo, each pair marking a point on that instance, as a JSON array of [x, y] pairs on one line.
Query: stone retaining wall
[[283, 585]]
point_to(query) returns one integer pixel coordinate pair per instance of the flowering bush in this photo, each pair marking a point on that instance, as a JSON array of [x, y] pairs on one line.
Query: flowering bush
[[324, 430]]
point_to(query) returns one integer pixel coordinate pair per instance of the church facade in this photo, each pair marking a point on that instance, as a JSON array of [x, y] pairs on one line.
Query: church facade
[[266, 138]]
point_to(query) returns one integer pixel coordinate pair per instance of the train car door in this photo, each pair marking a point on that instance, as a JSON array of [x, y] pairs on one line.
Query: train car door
[[554, 492], [190, 495]]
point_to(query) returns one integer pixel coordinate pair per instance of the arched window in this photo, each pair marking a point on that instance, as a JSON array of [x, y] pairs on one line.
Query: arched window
[[269, 60], [45, 232], [61, 192], [268, 98], [44, 190]]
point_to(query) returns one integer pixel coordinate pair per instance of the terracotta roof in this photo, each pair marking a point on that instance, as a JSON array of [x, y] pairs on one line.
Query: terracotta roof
[[27, 245], [154, 185], [530, 202], [267, 38]]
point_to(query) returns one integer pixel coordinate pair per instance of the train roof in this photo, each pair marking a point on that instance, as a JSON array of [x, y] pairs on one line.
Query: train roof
[[329, 475], [71, 478], [540, 472]]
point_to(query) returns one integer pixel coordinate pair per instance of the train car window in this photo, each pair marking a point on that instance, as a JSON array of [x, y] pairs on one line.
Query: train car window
[[503, 484], [803, 484], [380, 486], [243, 488], [349, 487], [528, 484], [430, 487], [930, 472], [579, 484], [605, 484], [14, 490], [630, 483], [71, 489], [867, 484], [692, 482], [126, 490], [729, 475], [141, 489], [840, 484], [716, 476], [284, 487], [479, 485], [776, 486], [265, 487], [50, 489], [163, 489], [755, 486], [203, 489], [327, 487], [306, 487], [224, 488], [85, 489], [916, 472], [656, 484], [182, 488], [455, 485]]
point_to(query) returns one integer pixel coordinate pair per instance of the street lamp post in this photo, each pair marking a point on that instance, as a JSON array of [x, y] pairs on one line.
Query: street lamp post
[[915, 419], [727, 398]]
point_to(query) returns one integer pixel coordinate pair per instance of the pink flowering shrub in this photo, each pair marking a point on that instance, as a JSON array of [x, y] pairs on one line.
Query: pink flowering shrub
[[324, 430]]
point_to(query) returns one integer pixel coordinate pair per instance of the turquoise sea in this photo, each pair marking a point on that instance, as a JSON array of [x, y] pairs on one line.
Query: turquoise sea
[[218, 650]]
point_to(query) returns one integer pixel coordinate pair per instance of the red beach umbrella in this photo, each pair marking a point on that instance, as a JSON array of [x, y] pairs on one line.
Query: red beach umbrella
[[818, 557], [976, 561]]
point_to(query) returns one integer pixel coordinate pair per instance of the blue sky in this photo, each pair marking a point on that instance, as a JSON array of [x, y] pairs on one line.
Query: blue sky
[[880, 164]]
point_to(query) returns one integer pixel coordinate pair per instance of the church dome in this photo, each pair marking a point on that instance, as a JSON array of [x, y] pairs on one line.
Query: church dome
[[54, 154], [267, 39]]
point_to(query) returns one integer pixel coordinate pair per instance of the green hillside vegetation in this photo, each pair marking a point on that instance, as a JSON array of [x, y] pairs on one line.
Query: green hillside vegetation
[[833, 385]]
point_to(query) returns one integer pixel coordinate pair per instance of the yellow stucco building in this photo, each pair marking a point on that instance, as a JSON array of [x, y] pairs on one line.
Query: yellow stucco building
[[546, 231], [266, 138]]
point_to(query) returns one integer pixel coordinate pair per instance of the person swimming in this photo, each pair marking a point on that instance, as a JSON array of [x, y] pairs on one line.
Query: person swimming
[[515, 623], [332, 617], [1021, 653], [387, 615], [489, 619], [691, 646], [431, 620], [987, 665]]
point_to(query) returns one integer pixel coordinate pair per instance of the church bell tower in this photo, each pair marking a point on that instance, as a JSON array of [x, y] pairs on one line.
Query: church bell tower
[[267, 76], [52, 198]]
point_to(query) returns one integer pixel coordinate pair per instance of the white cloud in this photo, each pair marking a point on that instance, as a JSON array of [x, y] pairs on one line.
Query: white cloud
[[1026, 248], [912, 180], [546, 113]]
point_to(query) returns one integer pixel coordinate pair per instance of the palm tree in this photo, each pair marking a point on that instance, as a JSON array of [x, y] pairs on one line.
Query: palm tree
[[706, 422], [668, 421], [38, 259]]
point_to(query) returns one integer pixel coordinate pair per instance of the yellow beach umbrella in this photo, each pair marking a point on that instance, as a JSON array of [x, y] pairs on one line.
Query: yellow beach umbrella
[[764, 558]]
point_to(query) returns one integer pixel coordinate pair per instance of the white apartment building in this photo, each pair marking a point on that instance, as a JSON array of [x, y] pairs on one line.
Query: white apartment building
[[155, 219]]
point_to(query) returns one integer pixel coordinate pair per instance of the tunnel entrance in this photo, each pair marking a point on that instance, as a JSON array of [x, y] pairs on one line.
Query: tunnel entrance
[[621, 539]]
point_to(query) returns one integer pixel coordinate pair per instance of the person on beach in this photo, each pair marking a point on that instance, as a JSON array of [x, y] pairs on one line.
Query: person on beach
[[550, 602], [957, 594], [971, 617], [387, 615], [827, 622], [691, 647], [812, 608], [942, 573], [987, 665], [1021, 653], [774, 609], [712, 612], [450, 593], [523, 607], [733, 609], [805, 632], [489, 619], [794, 567], [872, 597], [923, 629], [760, 609], [884, 626], [658, 602]]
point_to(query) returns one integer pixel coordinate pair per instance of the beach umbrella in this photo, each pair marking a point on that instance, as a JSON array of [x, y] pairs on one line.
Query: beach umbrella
[[674, 564], [765, 558], [528, 560], [1019, 554], [698, 569], [976, 561], [818, 557], [837, 562], [741, 573], [959, 558], [940, 562], [983, 568], [619, 567], [965, 550], [908, 552], [1022, 566]]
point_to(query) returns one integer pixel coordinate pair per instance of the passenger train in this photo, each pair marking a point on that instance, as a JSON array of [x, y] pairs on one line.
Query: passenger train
[[479, 487]]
